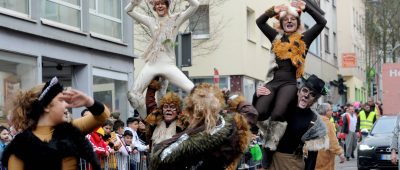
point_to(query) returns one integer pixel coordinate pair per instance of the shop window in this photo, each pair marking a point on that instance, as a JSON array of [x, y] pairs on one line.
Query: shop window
[[16, 72], [110, 88]]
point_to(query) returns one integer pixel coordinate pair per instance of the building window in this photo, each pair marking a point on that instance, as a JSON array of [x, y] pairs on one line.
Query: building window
[[66, 12], [199, 23], [110, 87], [20, 6], [314, 47], [250, 25], [335, 49], [249, 88], [326, 38], [106, 17], [16, 72]]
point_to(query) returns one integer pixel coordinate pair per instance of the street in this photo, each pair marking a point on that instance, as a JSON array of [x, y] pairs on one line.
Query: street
[[347, 165]]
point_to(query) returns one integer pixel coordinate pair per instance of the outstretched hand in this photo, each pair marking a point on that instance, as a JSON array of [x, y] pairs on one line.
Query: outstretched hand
[[298, 4], [76, 98], [279, 8]]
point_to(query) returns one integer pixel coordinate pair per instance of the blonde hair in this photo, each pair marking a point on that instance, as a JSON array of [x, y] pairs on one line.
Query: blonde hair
[[21, 106], [203, 106]]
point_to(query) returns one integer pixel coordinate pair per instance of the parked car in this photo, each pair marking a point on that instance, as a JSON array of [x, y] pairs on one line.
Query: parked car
[[374, 150]]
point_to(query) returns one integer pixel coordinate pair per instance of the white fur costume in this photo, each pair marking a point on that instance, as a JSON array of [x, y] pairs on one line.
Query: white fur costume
[[160, 55]]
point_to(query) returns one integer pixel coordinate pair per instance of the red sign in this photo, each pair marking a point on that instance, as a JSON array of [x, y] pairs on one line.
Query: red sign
[[216, 77], [349, 60], [391, 90]]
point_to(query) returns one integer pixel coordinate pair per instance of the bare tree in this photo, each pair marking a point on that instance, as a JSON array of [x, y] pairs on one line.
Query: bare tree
[[196, 24], [382, 28]]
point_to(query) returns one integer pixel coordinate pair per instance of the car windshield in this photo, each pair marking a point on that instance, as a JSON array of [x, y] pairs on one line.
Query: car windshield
[[384, 125]]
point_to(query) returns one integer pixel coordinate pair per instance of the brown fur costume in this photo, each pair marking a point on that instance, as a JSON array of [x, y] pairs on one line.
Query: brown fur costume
[[213, 141], [293, 50], [154, 118]]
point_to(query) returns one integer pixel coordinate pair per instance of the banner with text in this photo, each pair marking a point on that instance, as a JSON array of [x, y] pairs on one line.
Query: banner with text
[[391, 89]]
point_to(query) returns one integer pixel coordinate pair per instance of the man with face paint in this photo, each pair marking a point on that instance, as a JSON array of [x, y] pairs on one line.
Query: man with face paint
[[290, 46], [160, 55], [305, 131]]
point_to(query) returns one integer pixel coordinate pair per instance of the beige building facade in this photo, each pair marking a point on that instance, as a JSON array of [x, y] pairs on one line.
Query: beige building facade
[[231, 42], [351, 38]]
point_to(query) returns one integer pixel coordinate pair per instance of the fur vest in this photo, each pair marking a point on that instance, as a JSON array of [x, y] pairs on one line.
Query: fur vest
[[67, 141], [316, 137], [196, 149]]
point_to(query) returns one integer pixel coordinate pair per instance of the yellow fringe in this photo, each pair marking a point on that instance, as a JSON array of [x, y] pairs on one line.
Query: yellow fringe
[[289, 50]]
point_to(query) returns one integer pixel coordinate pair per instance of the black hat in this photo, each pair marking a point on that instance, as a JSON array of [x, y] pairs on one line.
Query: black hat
[[316, 84]]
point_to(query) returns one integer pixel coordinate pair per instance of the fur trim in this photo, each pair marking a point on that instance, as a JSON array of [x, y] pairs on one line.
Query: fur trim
[[67, 141], [234, 103], [274, 133], [244, 140], [221, 150], [293, 50], [317, 144], [155, 84], [263, 125]]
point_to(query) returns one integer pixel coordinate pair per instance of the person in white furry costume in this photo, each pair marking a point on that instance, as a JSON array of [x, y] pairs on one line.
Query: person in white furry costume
[[160, 55]]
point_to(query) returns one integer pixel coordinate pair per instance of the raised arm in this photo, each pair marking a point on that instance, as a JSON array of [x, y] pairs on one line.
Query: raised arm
[[193, 5], [315, 30], [145, 20], [263, 25]]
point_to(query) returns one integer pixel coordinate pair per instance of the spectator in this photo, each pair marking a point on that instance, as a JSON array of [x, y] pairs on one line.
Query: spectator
[[133, 125], [350, 129], [326, 158], [100, 147], [39, 113], [4, 139], [127, 150], [367, 118], [115, 116]]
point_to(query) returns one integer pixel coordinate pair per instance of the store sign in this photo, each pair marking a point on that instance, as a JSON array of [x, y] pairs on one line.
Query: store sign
[[349, 60], [391, 90]]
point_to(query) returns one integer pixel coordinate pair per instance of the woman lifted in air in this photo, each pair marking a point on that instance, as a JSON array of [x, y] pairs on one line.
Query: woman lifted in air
[[160, 55], [289, 45]]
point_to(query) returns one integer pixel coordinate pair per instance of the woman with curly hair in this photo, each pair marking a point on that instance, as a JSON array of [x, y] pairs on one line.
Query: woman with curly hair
[[47, 141], [289, 45], [160, 55], [211, 141]]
